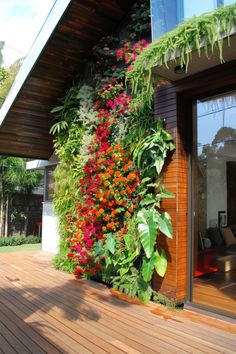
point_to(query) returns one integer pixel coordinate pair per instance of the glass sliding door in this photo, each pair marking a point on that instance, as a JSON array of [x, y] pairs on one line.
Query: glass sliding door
[[214, 203]]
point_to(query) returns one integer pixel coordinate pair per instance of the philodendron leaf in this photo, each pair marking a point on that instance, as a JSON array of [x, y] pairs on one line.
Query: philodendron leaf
[[164, 193], [147, 200], [99, 251], [110, 243], [147, 231], [164, 223], [148, 267], [161, 263], [159, 162]]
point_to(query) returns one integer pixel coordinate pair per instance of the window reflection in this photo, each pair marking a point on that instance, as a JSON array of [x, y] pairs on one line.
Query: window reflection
[[167, 14], [214, 193]]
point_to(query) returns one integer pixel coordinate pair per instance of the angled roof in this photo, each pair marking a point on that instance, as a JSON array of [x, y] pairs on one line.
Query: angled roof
[[71, 29]]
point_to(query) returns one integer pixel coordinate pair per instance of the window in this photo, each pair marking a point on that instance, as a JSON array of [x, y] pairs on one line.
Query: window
[[167, 14], [214, 196]]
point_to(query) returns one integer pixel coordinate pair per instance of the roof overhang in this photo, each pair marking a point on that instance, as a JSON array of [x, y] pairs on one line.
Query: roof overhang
[[198, 63], [62, 47]]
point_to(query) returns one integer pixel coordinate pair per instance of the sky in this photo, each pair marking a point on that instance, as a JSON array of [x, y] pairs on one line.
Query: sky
[[20, 22]]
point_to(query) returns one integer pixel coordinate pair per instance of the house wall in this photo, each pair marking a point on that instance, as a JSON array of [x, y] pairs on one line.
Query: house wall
[[173, 102], [50, 235], [175, 180]]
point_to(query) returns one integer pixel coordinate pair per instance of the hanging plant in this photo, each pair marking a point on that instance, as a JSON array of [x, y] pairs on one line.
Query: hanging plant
[[193, 34]]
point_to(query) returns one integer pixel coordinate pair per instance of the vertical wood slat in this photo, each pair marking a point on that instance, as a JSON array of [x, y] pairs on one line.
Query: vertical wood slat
[[175, 179], [174, 104]]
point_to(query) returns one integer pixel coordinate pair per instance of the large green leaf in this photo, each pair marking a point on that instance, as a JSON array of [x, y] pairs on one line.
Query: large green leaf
[[161, 263], [128, 241], [148, 199], [164, 193], [99, 251], [147, 230], [111, 243], [57, 109], [164, 223], [148, 267]]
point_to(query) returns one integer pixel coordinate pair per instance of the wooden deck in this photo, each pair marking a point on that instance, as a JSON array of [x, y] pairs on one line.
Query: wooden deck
[[46, 311], [217, 290]]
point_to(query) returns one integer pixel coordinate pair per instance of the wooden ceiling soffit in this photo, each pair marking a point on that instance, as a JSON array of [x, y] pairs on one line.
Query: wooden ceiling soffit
[[70, 31]]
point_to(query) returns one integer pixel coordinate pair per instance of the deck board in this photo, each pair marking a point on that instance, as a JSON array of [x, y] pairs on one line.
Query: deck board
[[43, 310]]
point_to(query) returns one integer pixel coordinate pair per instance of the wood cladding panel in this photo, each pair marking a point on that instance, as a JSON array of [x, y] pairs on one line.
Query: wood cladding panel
[[174, 283], [174, 104]]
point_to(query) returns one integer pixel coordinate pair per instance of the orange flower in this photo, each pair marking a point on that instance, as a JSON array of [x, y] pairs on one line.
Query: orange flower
[[125, 168], [131, 175], [106, 217], [106, 183], [117, 147], [122, 192], [117, 173]]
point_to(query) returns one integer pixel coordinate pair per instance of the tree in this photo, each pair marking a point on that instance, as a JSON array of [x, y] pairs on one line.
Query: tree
[[2, 43], [15, 178], [7, 77]]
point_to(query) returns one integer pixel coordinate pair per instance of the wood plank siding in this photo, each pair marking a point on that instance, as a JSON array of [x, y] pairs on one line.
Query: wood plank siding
[[173, 102], [25, 131], [175, 179]]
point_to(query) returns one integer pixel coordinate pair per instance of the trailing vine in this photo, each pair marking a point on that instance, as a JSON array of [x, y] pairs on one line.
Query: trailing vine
[[193, 34]]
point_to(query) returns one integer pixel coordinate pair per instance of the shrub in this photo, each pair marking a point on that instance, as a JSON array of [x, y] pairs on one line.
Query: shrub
[[61, 262], [19, 240]]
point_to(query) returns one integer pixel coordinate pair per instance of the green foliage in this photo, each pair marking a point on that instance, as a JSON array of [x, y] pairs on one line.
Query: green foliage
[[203, 31], [132, 284], [147, 230], [163, 300], [72, 117], [139, 122], [139, 26], [3, 75], [19, 240], [7, 77], [2, 43], [125, 254], [150, 153], [62, 262], [14, 175]]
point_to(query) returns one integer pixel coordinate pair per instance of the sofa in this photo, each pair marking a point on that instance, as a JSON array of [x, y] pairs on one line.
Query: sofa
[[222, 239]]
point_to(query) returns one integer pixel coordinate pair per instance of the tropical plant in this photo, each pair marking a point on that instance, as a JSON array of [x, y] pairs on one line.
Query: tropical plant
[[150, 153]]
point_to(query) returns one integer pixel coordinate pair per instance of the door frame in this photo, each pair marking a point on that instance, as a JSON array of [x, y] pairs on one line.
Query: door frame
[[191, 144]]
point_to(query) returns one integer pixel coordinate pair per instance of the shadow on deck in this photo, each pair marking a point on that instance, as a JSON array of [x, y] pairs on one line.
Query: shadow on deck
[[43, 310]]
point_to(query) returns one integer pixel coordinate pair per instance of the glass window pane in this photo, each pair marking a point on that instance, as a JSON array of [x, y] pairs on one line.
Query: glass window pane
[[214, 194], [167, 14]]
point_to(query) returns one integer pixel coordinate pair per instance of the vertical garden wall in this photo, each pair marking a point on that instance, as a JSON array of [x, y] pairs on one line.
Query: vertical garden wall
[[108, 189]]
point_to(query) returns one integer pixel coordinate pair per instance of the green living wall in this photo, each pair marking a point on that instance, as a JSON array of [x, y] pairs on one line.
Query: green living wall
[[108, 191]]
